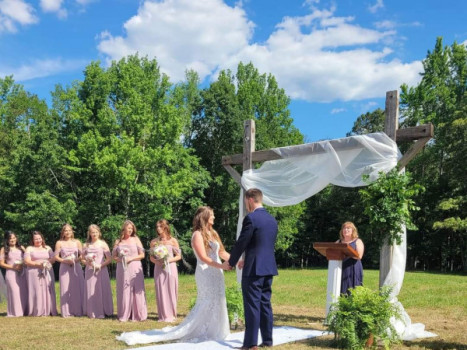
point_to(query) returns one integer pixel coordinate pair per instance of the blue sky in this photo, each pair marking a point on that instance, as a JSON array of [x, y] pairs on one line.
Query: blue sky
[[335, 59]]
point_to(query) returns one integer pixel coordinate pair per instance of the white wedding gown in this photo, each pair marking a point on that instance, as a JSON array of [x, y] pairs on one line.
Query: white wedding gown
[[207, 320]]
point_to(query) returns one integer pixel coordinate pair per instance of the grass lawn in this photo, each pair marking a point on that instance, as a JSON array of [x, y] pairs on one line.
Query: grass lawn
[[299, 297]]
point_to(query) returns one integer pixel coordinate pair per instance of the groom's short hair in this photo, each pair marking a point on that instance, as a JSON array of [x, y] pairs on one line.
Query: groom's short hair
[[256, 194]]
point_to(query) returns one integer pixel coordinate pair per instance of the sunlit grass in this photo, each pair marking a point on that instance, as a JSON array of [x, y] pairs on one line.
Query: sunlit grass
[[299, 299]]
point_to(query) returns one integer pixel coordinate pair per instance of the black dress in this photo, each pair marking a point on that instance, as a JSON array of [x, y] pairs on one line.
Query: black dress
[[352, 272]]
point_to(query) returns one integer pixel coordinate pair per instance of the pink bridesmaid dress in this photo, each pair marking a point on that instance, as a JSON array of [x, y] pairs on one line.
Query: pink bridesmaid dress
[[71, 285], [98, 293], [41, 286], [131, 295], [166, 282], [16, 286]]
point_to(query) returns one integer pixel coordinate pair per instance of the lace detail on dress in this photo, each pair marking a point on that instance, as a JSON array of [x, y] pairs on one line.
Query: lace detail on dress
[[207, 320]]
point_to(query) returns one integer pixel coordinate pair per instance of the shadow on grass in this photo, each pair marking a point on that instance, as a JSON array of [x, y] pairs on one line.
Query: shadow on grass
[[325, 341], [436, 344], [297, 319]]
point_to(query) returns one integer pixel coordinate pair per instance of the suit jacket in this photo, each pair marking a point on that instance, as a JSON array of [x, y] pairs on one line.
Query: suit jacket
[[257, 240]]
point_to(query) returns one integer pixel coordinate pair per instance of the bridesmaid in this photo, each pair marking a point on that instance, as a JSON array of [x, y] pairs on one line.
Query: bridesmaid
[[39, 258], [98, 293], [166, 277], [131, 296], [11, 259], [68, 254]]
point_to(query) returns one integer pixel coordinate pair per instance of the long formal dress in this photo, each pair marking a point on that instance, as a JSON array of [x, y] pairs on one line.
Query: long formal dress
[[41, 285], [352, 272], [71, 285], [208, 320], [16, 286], [98, 293], [166, 283], [131, 295]]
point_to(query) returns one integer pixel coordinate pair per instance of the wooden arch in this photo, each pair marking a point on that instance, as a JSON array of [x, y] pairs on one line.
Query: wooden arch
[[419, 134]]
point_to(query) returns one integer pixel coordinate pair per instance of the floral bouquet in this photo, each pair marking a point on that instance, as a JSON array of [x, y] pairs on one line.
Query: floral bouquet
[[160, 252], [19, 262], [46, 267], [123, 253], [91, 259], [70, 257]]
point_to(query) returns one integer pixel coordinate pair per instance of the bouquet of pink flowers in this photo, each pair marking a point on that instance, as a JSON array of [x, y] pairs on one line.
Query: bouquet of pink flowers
[[160, 252]]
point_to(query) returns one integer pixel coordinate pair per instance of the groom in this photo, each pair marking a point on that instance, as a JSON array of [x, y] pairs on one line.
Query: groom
[[256, 240]]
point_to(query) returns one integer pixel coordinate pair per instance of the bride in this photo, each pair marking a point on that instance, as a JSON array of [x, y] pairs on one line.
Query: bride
[[208, 319]]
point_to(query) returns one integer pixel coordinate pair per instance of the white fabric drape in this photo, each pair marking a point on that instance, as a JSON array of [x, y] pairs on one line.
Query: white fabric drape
[[341, 162], [405, 328], [305, 170]]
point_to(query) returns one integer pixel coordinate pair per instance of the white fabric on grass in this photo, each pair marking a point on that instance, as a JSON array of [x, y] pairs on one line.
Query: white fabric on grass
[[281, 335]]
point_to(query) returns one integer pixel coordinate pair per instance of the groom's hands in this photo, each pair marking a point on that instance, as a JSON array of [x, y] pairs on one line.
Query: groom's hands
[[226, 266]]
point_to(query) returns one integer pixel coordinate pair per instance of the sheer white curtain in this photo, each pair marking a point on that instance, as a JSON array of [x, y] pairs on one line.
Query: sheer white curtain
[[304, 171]]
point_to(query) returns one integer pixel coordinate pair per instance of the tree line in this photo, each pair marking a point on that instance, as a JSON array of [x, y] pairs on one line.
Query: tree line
[[125, 142]]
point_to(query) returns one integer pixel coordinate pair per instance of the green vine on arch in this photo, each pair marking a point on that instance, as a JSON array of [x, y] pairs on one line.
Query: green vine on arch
[[388, 203]]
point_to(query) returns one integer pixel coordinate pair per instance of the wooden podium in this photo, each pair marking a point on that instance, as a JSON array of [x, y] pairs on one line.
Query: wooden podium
[[335, 253]]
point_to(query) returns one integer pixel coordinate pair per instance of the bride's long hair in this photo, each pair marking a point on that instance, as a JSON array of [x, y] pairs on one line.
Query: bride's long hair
[[200, 223]]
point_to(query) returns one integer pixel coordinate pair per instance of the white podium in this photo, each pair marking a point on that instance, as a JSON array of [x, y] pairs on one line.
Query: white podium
[[335, 253]]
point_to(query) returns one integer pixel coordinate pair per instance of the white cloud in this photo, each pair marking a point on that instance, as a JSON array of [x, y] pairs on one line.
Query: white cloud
[[379, 5], [391, 24], [368, 106], [182, 34], [54, 6], [42, 68], [13, 12], [318, 57], [329, 62], [337, 110]]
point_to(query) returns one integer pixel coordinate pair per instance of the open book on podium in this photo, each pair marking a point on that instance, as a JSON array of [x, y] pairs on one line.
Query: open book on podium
[[335, 253]]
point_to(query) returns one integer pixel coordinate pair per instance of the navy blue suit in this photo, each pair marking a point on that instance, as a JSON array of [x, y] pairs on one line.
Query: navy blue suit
[[257, 240]]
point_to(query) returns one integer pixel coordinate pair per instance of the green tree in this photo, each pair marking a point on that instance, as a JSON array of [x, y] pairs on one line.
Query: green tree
[[440, 98], [122, 129], [217, 130], [33, 194]]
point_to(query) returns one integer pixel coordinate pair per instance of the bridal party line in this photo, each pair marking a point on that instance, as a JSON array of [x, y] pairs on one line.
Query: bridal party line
[[83, 275]]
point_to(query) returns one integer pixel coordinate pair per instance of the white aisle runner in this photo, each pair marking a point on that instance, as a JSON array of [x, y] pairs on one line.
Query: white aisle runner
[[281, 335]]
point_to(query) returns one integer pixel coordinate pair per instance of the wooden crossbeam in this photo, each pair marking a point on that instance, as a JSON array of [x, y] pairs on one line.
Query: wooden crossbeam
[[415, 133], [407, 134]]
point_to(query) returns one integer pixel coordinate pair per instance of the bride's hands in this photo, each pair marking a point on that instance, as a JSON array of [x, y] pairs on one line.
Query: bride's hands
[[225, 266]]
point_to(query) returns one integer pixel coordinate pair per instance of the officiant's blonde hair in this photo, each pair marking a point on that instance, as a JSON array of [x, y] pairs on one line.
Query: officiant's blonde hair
[[200, 223]]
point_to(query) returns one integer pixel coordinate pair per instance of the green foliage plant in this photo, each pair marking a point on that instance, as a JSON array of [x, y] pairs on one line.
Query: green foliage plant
[[233, 295], [234, 298], [388, 203], [363, 314]]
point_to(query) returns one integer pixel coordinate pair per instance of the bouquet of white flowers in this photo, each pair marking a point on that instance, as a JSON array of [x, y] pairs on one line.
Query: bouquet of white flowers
[[160, 252], [20, 263], [46, 267], [123, 253], [91, 259]]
